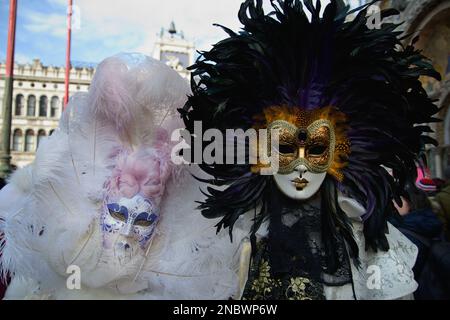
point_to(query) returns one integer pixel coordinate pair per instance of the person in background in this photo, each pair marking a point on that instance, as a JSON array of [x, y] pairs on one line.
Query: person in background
[[425, 182], [418, 222], [441, 203]]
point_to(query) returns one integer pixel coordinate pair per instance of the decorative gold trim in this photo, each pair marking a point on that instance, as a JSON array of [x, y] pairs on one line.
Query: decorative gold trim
[[295, 119]]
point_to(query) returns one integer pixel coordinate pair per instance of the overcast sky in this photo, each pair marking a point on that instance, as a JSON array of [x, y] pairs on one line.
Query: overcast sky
[[106, 27]]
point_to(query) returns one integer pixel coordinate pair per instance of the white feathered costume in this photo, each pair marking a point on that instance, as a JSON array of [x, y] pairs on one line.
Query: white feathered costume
[[50, 210]]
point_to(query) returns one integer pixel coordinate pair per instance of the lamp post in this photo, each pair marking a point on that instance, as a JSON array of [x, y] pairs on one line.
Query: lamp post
[[5, 147], [68, 65]]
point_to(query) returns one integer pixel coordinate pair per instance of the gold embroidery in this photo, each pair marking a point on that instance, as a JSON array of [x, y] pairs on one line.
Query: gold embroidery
[[262, 286], [297, 289]]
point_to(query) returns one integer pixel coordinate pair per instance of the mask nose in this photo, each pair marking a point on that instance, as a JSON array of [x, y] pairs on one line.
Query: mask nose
[[127, 229], [302, 169]]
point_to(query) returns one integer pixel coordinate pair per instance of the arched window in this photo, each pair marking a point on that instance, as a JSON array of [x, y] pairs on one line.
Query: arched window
[[54, 104], [43, 103], [51, 132], [31, 106], [20, 104], [29, 141], [41, 134], [17, 140]]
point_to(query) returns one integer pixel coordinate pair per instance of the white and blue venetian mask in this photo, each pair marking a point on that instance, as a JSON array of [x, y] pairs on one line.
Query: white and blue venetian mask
[[127, 225]]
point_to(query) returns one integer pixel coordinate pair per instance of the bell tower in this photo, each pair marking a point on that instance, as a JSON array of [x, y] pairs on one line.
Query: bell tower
[[174, 50]]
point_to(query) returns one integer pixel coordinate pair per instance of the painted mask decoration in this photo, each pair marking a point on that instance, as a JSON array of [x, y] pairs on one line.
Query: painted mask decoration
[[128, 225], [311, 145], [131, 207]]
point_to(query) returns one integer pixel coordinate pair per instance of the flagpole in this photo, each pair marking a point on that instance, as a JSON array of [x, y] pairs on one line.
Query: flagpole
[[5, 148], [68, 65]]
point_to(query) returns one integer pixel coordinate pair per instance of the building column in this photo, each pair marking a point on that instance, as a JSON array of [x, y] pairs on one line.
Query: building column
[[438, 163], [49, 105]]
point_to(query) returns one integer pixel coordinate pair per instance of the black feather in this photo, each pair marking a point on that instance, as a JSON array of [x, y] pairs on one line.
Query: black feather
[[283, 58]]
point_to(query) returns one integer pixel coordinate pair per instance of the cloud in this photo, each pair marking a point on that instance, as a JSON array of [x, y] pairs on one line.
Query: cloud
[[51, 24], [22, 58], [104, 27], [59, 2], [134, 17]]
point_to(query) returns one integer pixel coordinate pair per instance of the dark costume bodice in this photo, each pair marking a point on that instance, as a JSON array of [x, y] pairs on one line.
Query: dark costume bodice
[[291, 262]]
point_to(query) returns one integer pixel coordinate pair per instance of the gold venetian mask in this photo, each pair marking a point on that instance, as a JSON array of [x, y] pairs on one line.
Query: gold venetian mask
[[315, 139]]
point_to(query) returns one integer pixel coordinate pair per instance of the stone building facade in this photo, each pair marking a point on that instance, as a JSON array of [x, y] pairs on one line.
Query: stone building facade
[[430, 20], [38, 101]]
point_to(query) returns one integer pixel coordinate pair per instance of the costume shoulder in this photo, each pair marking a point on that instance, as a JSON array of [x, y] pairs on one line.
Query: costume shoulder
[[381, 275]]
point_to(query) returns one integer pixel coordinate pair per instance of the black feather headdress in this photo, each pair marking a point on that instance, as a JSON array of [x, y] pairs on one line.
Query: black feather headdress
[[294, 58]]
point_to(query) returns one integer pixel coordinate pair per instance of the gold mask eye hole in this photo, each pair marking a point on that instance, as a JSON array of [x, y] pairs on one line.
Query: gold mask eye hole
[[317, 150], [286, 149], [143, 223], [117, 215]]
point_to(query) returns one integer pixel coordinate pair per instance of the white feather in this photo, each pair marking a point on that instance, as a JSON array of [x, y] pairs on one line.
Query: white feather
[[55, 220]]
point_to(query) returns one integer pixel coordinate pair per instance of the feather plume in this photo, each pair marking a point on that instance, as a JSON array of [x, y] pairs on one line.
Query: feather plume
[[285, 58], [55, 220]]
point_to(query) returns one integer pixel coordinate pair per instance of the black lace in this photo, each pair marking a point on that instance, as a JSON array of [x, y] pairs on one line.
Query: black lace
[[293, 257]]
